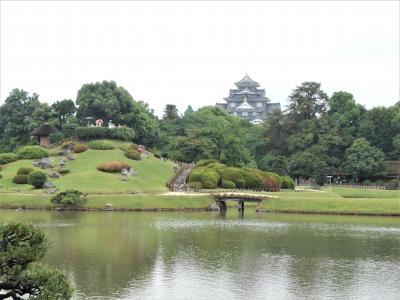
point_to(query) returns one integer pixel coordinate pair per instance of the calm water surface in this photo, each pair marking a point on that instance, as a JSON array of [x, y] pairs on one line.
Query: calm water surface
[[205, 256]]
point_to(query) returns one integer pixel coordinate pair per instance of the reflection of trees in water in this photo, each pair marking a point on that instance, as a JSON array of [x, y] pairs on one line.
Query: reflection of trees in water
[[107, 252]]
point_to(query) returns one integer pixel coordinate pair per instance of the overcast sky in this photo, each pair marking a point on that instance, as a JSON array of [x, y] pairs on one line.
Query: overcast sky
[[192, 52]]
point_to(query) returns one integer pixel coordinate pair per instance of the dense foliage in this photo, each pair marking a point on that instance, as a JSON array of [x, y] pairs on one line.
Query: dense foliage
[[101, 145], [32, 152], [308, 138], [209, 174], [37, 179], [21, 246], [68, 198]]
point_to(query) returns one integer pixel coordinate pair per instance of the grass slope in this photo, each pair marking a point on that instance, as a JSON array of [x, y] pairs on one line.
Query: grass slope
[[84, 176]]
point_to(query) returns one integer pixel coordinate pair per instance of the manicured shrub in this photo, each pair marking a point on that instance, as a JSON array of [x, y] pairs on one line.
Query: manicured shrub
[[32, 152], [195, 185], [24, 171], [133, 154], [112, 166], [20, 179], [37, 179], [69, 144], [69, 198], [287, 183], [227, 184], [56, 138], [122, 133], [68, 129], [6, 158], [118, 133], [393, 184], [272, 181], [209, 179], [234, 175], [101, 145], [379, 182], [90, 133], [367, 182], [205, 162], [63, 171], [252, 179], [79, 148]]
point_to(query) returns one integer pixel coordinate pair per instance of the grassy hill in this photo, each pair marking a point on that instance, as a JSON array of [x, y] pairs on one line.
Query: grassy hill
[[152, 176]]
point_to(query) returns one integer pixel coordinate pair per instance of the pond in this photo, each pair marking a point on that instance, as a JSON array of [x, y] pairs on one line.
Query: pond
[[187, 255]]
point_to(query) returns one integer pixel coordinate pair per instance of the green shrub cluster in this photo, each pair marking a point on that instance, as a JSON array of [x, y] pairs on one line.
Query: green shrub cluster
[[6, 158], [101, 145], [79, 148], [69, 198], [20, 179], [211, 174], [37, 179], [112, 166], [118, 133], [56, 138], [32, 152], [68, 129], [24, 171], [133, 154]]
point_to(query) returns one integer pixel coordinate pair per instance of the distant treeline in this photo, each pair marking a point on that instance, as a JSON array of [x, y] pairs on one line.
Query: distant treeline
[[313, 136]]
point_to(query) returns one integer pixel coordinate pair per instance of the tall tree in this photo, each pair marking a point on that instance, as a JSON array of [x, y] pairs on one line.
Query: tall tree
[[19, 115], [21, 245], [188, 110], [107, 101], [64, 109], [170, 112], [307, 101], [364, 160]]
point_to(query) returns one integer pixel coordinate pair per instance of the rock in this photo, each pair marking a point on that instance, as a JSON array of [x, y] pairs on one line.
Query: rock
[[51, 191], [55, 175], [214, 207], [124, 178], [108, 206], [62, 163], [49, 185], [71, 157], [44, 163], [124, 172]]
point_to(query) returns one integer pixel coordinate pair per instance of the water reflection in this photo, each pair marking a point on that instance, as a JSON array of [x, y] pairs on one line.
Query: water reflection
[[214, 256]]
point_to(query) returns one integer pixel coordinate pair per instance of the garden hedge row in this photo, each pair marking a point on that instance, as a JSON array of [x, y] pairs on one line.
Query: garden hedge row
[[117, 133], [210, 174]]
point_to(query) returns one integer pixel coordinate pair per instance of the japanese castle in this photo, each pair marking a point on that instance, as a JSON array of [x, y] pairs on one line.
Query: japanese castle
[[248, 101]]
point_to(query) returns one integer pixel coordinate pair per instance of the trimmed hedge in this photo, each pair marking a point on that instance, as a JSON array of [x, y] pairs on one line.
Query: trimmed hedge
[[287, 183], [37, 179], [118, 133], [101, 145], [209, 179], [32, 152], [24, 171], [133, 154], [69, 198], [227, 184], [79, 148], [205, 162], [6, 158], [112, 166], [68, 129], [196, 185], [212, 174], [20, 179], [56, 138]]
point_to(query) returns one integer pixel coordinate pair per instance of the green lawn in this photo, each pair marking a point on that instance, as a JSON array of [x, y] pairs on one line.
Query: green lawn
[[152, 175], [139, 202], [378, 202], [365, 193]]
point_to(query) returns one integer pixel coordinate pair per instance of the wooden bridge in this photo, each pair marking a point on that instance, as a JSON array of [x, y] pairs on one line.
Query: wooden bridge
[[241, 198]]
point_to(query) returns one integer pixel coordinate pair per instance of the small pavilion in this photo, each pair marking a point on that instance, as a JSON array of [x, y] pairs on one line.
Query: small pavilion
[[43, 133]]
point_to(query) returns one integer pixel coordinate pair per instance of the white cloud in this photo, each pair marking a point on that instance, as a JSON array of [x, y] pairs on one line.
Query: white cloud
[[192, 52]]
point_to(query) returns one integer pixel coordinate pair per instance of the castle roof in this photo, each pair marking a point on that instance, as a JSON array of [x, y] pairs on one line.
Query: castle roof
[[245, 106], [246, 81]]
